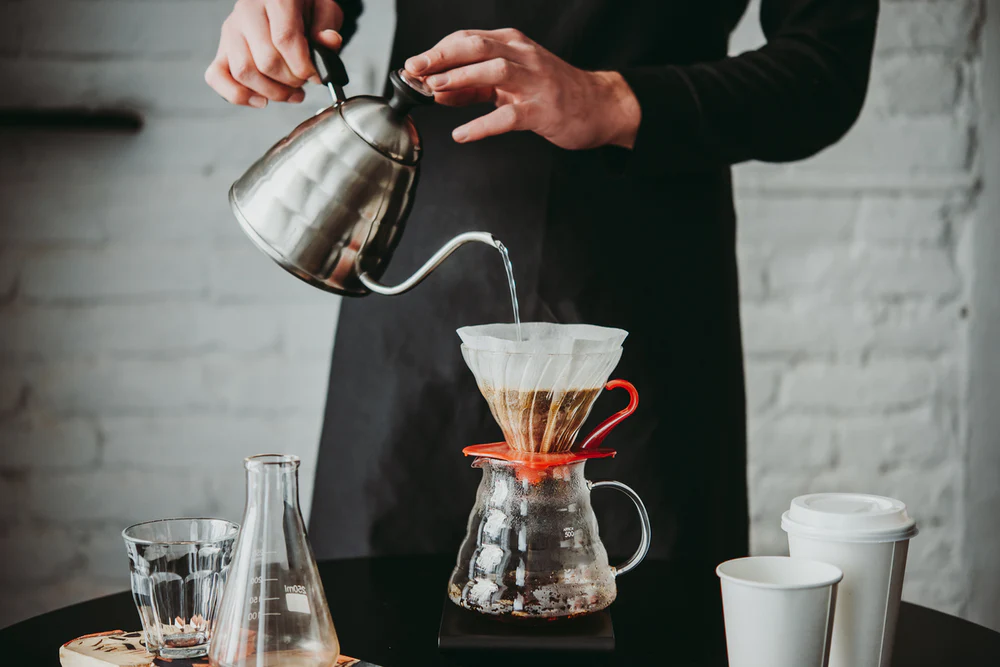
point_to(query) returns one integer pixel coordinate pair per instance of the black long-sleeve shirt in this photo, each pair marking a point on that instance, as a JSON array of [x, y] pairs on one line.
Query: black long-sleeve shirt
[[646, 243], [785, 101]]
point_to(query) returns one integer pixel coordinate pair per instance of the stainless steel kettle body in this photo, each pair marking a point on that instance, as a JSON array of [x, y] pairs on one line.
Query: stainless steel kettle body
[[329, 201]]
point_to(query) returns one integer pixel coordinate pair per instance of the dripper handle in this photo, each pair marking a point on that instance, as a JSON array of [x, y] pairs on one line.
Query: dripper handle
[[335, 77], [597, 436]]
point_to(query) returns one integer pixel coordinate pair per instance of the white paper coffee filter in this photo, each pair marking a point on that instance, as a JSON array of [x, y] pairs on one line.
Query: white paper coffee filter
[[549, 356], [543, 337], [540, 371]]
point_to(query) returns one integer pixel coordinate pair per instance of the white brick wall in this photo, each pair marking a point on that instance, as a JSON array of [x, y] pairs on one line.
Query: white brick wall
[[140, 332], [145, 346], [856, 282]]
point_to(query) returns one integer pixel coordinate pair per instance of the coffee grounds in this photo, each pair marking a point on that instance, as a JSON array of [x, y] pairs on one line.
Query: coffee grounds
[[540, 421]]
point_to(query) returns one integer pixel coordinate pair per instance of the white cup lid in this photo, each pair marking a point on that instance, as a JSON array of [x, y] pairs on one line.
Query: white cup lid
[[848, 517]]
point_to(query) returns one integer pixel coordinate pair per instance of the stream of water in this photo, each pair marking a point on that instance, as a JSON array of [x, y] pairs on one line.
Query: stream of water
[[510, 283]]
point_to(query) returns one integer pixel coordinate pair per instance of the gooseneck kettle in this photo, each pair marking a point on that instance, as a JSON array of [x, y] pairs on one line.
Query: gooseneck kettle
[[329, 202]]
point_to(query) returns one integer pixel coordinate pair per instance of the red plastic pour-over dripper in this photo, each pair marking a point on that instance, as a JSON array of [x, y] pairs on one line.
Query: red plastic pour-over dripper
[[588, 449]]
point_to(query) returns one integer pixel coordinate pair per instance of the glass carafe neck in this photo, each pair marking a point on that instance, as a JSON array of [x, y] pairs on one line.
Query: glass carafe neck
[[568, 474]]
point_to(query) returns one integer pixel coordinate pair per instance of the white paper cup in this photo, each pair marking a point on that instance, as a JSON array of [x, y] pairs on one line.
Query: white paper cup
[[867, 537], [778, 611]]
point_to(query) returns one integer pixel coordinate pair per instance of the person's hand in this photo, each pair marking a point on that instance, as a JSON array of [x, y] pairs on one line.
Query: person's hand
[[264, 51], [532, 88]]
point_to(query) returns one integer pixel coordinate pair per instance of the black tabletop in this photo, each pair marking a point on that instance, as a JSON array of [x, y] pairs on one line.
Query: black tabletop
[[387, 611]]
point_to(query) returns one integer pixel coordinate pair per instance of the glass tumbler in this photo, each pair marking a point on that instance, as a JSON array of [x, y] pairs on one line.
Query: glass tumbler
[[179, 568]]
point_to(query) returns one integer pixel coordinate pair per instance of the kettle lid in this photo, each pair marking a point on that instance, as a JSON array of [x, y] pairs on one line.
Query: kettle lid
[[385, 125]]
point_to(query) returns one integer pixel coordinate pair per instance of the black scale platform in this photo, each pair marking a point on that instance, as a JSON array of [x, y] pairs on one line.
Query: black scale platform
[[463, 630]]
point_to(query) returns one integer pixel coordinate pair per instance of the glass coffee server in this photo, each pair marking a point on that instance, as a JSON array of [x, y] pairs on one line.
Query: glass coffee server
[[532, 549]]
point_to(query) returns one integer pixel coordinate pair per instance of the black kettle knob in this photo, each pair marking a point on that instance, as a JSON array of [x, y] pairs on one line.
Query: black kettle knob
[[408, 92]]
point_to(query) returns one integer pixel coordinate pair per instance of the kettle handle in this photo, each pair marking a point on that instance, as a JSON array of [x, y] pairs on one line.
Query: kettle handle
[[335, 77], [643, 549]]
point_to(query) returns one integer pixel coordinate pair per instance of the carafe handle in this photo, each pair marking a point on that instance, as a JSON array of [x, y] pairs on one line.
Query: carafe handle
[[643, 549]]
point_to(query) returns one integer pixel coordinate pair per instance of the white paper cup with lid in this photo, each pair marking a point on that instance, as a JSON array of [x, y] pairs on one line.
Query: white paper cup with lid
[[867, 537], [778, 610]]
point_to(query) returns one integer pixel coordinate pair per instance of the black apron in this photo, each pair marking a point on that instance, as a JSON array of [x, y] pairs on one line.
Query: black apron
[[589, 243]]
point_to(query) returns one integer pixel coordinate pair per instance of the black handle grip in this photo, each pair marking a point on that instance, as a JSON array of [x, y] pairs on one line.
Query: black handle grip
[[335, 73]]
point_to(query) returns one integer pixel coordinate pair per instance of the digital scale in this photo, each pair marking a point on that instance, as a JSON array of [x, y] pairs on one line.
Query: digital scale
[[466, 631]]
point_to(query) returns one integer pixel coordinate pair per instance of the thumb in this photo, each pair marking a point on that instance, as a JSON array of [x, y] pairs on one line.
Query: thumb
[[331, 39], [327, 17]]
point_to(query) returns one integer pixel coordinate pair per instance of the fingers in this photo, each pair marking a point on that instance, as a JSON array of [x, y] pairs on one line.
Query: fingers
[[288, 35], [492, 73], [326, 15], [462, 98], [263, 51], [507, 118], [221, 80], [331, 39], [266, 59], [327, 18], [509, 36], [244, 70], [461, 48]]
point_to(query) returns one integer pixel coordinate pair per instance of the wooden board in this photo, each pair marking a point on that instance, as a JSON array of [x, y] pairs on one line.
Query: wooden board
[[116, 648]]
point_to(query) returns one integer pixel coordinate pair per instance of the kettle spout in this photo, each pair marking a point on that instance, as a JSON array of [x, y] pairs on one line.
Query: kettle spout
[[442, 254]]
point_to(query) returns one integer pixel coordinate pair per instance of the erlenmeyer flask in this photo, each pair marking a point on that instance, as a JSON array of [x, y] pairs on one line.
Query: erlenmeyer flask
[[273, 610]]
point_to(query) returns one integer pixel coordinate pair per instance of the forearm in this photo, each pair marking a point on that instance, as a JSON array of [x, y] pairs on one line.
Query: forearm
[[785, 101]]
